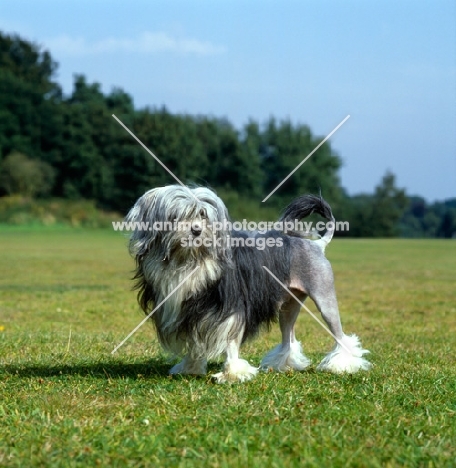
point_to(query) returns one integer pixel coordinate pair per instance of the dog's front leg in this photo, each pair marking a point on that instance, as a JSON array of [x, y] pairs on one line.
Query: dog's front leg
[[235, 369]]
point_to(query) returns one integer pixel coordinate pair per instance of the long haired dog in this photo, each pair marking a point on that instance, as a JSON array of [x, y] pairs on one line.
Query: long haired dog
[[222, 294]]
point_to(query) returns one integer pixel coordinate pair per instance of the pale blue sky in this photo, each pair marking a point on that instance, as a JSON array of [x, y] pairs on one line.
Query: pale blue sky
[[391, 65]]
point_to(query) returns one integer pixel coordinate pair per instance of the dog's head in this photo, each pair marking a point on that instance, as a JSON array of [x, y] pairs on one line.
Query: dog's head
[[179, 223]]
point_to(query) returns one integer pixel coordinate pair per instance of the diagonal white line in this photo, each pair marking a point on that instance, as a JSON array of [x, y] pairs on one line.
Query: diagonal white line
[[153, 155], [307, 309], [152, 313], [307, 157]]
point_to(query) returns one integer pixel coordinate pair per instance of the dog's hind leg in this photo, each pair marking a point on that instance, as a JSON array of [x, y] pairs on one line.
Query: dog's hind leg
[[190, 365], [235, 369], [287, 355], [347, 355]]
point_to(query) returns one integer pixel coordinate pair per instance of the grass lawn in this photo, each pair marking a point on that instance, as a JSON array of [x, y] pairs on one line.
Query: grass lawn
[[65, 302]]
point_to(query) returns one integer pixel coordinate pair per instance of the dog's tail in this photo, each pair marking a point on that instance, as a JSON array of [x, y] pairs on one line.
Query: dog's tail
[[304, 206]]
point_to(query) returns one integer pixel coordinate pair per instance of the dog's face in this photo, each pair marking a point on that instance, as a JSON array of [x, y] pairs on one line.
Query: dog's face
[[178, 223]]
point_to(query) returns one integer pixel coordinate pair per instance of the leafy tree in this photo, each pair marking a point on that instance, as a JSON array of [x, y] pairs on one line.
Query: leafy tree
[[447, 226], [233, 162], [284, 146], [378, 215], [389, 203], [83, 169], [429, 220], [252, 149], [29, 120], [174, 140]]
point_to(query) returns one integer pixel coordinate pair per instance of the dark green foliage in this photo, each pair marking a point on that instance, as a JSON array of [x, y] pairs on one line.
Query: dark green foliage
[[283, 146], [28, 63], [28, 97], [377, 215], [429, 220]]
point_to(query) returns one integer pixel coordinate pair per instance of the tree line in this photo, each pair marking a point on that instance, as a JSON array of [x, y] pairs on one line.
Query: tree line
[[69, 146]]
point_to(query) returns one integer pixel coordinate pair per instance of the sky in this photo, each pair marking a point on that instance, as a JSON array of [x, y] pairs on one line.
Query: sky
[[390, 65]]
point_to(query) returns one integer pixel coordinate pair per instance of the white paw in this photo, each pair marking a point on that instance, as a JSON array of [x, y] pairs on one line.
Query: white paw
[[236, 371], [347, 356], [283, 360]]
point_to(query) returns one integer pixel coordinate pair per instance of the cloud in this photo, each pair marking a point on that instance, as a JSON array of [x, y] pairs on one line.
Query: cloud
[[145, 43]]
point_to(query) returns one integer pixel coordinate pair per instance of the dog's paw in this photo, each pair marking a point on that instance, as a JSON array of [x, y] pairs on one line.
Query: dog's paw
[[347, 357], [236, 371], [284, 360]]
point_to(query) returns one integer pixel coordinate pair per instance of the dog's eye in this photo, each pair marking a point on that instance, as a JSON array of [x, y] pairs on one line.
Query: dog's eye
[[203, 213]]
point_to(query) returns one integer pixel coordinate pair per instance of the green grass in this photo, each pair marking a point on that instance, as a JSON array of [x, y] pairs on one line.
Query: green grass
[[65, 302]]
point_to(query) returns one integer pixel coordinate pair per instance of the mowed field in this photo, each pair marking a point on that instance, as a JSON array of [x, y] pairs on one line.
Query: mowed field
[[66, 301]]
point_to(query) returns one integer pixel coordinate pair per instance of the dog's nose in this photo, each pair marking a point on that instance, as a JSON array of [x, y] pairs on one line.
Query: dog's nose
[[196, 230]]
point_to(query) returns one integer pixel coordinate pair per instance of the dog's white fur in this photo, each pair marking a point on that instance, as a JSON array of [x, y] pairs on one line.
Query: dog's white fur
[[285, 358], [347, 356]]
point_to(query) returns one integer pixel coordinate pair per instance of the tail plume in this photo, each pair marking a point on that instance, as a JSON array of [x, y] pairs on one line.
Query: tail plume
[[304, 206]]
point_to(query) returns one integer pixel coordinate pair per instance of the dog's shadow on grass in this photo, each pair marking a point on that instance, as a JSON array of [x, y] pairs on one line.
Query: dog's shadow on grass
[[103, 370]]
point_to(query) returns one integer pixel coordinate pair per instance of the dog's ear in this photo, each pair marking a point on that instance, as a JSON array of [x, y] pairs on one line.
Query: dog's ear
[[217, 212], [142, 216]]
